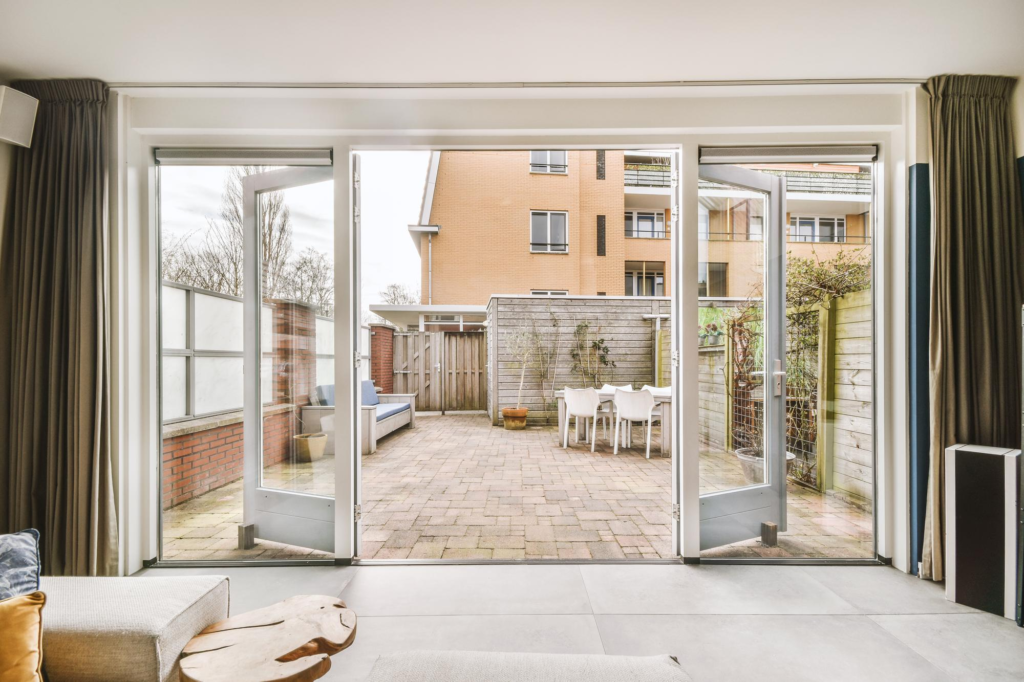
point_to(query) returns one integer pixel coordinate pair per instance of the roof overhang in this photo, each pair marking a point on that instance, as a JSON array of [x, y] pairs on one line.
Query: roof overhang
[[408, 316], [416, 230]]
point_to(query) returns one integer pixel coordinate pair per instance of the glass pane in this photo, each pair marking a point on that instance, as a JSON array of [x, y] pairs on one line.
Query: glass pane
[[731, 343], [174, 387], [174, 318], [558, 160], [645, 224], [826, 229], [298, 294], [629, 225], [629, 284], [539, 232], [538, 158], [219, 384], [558, 236], [218, 323], [756, 228], [806, 230]]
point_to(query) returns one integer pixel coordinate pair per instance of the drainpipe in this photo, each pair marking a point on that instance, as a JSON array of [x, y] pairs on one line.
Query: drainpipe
[[430, 269]]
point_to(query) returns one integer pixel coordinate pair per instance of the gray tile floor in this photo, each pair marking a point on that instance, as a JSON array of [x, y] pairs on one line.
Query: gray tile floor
[[729, 623]]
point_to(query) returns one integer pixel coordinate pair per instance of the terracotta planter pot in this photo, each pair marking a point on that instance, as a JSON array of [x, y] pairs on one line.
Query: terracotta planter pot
[[310, 447], [515, 417]]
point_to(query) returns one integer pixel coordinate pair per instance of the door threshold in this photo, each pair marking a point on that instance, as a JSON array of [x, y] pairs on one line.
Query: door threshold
[[507, 562]]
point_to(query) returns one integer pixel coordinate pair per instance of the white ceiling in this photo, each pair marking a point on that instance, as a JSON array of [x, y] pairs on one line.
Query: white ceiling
[[391, 41]]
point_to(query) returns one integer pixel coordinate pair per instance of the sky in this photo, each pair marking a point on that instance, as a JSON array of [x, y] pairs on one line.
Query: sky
[[392, 189]]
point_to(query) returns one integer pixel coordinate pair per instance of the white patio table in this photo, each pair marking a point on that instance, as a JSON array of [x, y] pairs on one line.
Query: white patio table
[[663, 400]]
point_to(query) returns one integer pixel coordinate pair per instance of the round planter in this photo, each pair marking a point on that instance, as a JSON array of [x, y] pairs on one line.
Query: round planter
[[310, 447], [514, 417], [752, 462]]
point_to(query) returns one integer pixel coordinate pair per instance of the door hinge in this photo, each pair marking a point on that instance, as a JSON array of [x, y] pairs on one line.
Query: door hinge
[[357, 359], [358, 512], [675, 358], [675, 512]]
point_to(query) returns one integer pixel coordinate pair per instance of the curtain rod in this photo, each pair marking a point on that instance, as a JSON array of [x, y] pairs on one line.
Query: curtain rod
[[530, 84]]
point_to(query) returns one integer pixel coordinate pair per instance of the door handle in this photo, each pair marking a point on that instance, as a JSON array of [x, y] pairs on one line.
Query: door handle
[[777, 376]]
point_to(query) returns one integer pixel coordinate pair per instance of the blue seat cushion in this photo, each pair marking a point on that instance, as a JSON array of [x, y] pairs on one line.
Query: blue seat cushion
[[385, 410], [325, 394], [369, 394]]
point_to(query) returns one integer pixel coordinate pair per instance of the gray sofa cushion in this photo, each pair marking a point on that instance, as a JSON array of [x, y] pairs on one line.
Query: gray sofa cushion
[[19, 563], [385, 410], [369, 394], [125, 629], [476, 666]]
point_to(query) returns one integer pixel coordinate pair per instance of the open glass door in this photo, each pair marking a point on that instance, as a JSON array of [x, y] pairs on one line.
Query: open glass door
[[288, 359], [742, 218]]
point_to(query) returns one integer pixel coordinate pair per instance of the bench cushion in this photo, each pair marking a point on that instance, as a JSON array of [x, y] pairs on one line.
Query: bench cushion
[[385, 410], [125, 629], [369, 394], [325, 395]]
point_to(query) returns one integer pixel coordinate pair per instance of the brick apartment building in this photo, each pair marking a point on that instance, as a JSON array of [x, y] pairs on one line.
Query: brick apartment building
[[598, 223]]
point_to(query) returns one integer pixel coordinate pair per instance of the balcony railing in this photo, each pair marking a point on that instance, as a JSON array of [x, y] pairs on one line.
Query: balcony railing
[[638, 175], [718, 236]]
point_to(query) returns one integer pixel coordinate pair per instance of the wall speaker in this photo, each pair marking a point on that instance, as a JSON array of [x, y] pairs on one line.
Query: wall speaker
[[17, 116]]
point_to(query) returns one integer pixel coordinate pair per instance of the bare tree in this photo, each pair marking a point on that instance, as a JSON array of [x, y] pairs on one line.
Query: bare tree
[[310, 279], [399, 294], [216, 264]]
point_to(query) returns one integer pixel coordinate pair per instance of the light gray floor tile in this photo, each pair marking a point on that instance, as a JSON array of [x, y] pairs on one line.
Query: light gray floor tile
[[461, 590], [980, 647], [254, 587], [768, 648], [882, 590], [534, 634], [723, 589]]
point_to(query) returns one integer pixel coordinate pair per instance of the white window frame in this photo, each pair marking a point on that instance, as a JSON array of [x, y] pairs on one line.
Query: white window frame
[[547, 166], [549, 292], [548, 250], [635, 234], [794, 222], [638, 275]]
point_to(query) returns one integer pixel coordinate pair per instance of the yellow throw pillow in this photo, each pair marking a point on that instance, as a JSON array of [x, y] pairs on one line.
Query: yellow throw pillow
[[21, 631]]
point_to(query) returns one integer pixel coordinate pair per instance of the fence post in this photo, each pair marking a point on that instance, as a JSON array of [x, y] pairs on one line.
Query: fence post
[[826, 392], [727, 372]]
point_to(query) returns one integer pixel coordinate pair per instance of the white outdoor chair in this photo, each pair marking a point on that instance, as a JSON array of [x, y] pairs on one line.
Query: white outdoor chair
[[658, 392], [585, 404], [633, 406]]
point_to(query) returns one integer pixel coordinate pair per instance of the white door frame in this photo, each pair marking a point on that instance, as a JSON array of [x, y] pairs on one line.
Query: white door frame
[[286, 516], [735, 515]]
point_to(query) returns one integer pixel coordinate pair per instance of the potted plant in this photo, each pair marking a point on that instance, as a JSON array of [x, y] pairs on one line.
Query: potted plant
[[309, 447], [521, 343]]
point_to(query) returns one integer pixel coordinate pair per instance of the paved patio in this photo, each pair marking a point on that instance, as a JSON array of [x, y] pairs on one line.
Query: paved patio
[[458, 488]]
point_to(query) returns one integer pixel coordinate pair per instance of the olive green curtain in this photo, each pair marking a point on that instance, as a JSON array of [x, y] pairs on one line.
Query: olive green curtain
[[977, 281], [56, 471]]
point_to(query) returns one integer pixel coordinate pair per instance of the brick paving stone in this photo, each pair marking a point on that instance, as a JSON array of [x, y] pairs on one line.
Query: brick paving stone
[[456, 476]]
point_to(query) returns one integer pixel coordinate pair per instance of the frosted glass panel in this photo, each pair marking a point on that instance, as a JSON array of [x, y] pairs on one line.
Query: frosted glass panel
[[325, 371], [218, 323], [174, 387], [324, 337], [173, 317], [267, 380], [219, 384]]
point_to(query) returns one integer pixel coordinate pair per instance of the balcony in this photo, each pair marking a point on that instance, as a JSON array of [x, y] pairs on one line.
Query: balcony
[[648, 175]]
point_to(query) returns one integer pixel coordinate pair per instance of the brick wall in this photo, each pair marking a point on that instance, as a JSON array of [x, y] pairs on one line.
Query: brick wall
[[382, 357], [196, 463]]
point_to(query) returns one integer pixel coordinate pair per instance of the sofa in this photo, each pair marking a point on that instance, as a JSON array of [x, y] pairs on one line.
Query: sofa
[[382, 413], [125, 629]]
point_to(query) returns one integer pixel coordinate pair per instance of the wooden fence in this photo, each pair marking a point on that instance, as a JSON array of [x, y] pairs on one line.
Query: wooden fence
[[620, 321]]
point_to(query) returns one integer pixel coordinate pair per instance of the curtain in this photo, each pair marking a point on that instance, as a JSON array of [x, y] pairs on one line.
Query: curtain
[[977, 284], [56, 471]]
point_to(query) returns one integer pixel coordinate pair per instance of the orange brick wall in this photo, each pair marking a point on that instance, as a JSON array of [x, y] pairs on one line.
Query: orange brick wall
[[482, 201], [382, 357], [197, 463]]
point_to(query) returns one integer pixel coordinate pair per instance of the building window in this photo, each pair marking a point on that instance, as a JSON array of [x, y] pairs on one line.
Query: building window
[[645, 224], [548, 162], [649, 283], [549, 232], [712, 280], [817, 229], [549, 292]]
